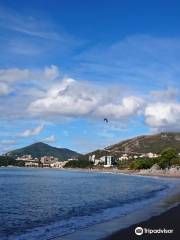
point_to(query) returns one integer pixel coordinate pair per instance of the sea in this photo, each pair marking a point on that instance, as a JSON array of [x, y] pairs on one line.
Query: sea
[[42, 204]]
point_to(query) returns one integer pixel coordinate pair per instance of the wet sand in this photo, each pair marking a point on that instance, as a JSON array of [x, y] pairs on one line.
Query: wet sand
[[168, 220]]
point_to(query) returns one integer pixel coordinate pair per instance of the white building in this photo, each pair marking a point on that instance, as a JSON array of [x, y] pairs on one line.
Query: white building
[[31, 164], [92, 158], [58, 164], [25, 158], [72, 159], [151, 155], [107, 160], [124, 157], [96, 161]]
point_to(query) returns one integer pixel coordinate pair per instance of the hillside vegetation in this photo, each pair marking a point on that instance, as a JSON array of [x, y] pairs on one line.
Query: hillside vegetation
[[168, 157], [9, 161], [150, 143], [41, 149], [142, 144]]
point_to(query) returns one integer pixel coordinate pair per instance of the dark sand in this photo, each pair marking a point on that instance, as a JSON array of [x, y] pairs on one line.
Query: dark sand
[[167, 220]]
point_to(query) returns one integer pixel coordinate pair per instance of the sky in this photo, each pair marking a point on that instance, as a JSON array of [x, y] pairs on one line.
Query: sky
[[66, 65]]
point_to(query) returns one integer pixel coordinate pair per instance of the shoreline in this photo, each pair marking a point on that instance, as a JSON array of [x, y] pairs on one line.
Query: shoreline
[[105, 230], [168, 220], [128, 172], [123, 228], [125, 172], [112, 229]]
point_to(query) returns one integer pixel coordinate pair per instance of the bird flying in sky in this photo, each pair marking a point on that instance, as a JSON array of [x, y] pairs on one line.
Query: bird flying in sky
[[106, 120]]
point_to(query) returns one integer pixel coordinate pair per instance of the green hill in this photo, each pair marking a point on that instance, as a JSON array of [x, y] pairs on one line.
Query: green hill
[[40, 149], [143, 144], [149, 143]]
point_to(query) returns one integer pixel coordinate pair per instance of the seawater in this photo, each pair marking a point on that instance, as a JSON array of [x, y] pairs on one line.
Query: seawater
[[45, 203]]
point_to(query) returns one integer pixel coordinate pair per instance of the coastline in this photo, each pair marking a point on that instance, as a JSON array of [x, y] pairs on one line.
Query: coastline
[[142, 172], [168, 220], [126, 172], [122, 229], [166, 200], [165, 211]]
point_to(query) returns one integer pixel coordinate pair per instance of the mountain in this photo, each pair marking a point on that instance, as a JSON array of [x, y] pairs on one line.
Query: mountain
[[40, 149], [143, 144]]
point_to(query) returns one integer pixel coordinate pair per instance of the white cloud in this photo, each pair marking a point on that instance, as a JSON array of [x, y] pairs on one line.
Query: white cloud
[[50, 139], [51, 73], [32, 132], [163, 116], [4, 89], [15, 75], [165, 95], [71, 98], [46, 96], [8, 142], [129, 106], [12, 75], [26, 85]]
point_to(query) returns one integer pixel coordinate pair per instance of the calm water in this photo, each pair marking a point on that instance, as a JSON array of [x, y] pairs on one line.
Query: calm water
[[43, 203]]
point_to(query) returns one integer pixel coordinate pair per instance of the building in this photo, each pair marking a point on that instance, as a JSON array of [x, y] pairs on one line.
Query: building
[[45, 160], [106, 161], [58, 164], [92, 158], [152, 155], [25, 158], [124, 157], [99, 161], [31, 164], [109, 161], [72, 159]]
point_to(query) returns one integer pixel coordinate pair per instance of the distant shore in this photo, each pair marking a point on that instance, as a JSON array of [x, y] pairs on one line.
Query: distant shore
[[142, 172], [157, 173]]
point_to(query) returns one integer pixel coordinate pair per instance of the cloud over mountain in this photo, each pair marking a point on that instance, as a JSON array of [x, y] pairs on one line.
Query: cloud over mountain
[[32, 132]]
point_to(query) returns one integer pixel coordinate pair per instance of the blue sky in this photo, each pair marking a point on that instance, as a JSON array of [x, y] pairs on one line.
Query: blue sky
[[67, 65]]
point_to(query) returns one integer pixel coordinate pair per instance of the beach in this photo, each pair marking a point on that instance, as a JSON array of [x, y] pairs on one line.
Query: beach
[[167, 220], [142, 172]]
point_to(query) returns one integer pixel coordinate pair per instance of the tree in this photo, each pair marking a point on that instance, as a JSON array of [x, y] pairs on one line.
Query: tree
[[79, 164], [142, 163], [169, 153], [167, 157]]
